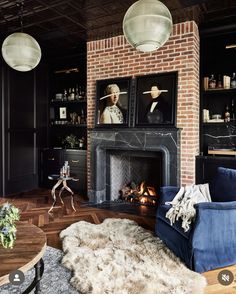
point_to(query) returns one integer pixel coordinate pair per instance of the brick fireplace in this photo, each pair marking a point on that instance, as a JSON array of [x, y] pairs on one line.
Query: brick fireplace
[[113, 57]]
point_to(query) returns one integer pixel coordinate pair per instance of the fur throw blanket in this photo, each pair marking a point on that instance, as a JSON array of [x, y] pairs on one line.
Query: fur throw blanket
[[120, 257], [183, 204]]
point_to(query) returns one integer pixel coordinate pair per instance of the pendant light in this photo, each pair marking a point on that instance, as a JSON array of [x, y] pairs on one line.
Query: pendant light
[[147, 25], [21, 51]]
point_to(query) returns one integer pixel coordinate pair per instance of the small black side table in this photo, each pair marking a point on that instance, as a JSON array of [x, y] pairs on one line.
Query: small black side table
[[63, 181]]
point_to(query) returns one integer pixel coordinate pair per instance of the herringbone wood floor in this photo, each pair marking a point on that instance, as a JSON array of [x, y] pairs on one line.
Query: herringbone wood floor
[[34, 206]]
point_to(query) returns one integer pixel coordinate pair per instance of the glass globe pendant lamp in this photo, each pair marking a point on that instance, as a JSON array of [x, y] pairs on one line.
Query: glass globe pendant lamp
[[147, 25], [21, 51]]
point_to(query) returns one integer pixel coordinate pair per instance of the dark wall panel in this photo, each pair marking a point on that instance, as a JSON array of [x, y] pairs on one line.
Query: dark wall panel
[[21, 99], [21, 162], [24, 120], [21, 154]]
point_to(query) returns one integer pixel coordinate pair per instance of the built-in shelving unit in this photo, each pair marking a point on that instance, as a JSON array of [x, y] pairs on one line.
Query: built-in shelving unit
[[217, 138], [217, 61], [67, 126], [68, 108]]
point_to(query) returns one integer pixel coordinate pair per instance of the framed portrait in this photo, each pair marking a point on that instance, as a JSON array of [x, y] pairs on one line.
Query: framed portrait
[[112, 102], [62, 112], [156, 97]]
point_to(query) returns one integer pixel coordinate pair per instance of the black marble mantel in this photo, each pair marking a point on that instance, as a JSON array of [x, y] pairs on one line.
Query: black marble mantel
[[165, 140]]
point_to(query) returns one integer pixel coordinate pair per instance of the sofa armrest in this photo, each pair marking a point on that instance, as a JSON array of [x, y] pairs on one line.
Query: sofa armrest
[[216, 205], [167, 193], [214, 235]]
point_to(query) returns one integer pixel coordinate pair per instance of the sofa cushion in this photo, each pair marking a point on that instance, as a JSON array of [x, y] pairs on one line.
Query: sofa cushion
[[168, 193], [161, 215], [223, 186]]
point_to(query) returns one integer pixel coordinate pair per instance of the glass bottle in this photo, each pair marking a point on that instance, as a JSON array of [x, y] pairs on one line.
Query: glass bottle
[[69, 94], [80, 93], [219, 81], [82, 117], [233, 81], [232, 110], [83, 92], [212, 82], [76, 92], [72, 95], [65, 95], [227, 113]]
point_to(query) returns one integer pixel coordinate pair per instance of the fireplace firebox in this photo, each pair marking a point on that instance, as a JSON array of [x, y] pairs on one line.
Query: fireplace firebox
[[124, 167]]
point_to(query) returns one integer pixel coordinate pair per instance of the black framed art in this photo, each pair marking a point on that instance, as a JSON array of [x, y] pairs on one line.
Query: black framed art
[[156, 96], [112, 102]]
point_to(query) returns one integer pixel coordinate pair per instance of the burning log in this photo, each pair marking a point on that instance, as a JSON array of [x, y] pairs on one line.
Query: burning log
[[142, 193]]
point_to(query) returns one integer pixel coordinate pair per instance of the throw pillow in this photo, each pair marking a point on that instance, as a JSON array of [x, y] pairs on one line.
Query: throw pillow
[[223, 187]]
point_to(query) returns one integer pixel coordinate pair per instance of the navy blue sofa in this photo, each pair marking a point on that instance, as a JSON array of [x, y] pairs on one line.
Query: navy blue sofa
[[211, 241]]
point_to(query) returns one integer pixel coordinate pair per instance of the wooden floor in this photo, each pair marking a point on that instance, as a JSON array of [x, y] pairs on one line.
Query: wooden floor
[[34, 206]]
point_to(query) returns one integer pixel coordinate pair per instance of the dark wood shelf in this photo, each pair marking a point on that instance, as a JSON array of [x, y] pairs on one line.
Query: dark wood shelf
[[217, 157], [69, 125], [219, 123], [68, 102], [219, 90]]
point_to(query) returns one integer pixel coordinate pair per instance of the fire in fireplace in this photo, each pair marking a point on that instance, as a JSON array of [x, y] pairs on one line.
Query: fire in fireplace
[[142, 194]]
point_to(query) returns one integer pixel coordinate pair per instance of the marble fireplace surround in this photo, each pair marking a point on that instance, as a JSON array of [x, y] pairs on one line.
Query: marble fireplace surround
[[164, 140]]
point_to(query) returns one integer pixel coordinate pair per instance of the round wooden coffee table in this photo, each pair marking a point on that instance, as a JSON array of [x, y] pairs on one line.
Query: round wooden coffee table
[[27, 252]]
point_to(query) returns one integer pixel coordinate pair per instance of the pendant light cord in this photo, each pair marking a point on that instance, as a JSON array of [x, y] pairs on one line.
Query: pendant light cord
[[20, 5]]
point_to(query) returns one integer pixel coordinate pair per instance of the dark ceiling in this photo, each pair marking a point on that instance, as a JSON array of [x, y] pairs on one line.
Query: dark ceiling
[[61, 26]]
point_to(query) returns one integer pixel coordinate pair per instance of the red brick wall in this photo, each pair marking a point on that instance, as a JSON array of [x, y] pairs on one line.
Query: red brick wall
[[114, 57]]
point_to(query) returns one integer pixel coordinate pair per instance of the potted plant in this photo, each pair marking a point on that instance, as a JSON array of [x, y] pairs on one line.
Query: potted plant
[[70, 141], [9, 214]]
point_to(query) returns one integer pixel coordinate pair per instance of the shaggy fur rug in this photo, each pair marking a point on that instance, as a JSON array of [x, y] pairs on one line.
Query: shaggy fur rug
[[120, 257]]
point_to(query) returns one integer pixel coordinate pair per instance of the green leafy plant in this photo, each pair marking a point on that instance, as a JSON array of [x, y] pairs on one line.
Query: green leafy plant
[[71, 141], [9, 214]]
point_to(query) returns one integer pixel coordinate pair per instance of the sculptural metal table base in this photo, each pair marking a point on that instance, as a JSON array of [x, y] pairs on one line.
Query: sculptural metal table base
[[62, 181], [39, 269]]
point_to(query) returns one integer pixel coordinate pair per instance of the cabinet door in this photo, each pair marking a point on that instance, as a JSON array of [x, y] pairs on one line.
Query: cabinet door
[[23, 97], [20, 164], [77, 162], [51, 162]]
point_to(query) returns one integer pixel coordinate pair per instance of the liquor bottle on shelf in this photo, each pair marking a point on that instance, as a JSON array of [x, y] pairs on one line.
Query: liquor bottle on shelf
[[227, 113], [72, 95], [76, 92], [83, 92], [69, 94], [80, 93], [233, 81], [233, 114], [65, 95], [82, 117], [212, 82], [219, 82]]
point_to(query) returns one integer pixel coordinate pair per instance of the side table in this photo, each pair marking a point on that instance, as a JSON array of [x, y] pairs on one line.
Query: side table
[[63, 181]]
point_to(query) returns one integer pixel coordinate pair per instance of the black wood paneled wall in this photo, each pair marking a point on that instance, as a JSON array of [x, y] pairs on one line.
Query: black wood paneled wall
[[24, 110]]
